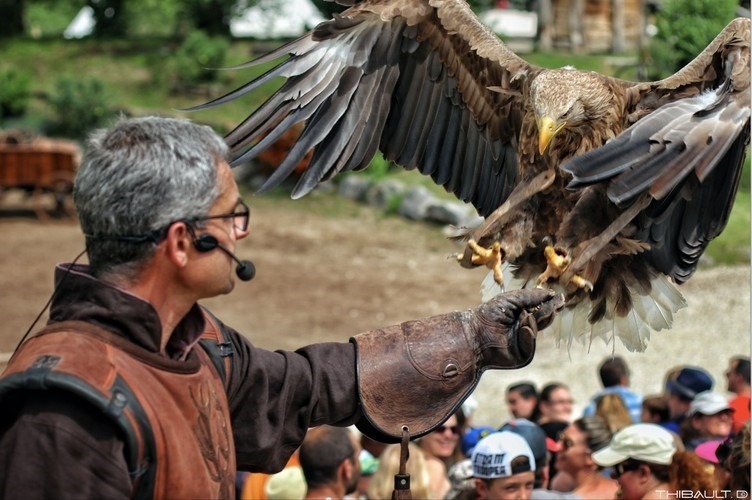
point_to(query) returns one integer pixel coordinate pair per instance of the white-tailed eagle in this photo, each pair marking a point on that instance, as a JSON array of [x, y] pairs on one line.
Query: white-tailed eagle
[[604, 188]]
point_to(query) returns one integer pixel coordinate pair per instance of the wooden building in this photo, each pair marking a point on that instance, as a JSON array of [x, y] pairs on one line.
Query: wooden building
[[591, 26]]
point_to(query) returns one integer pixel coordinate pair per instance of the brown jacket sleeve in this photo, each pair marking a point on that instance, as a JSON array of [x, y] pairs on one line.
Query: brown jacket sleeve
[[276, 396], [59, 427]]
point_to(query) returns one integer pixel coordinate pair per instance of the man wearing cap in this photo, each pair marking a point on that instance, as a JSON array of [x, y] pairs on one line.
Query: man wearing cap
[[503, 467], [710, 417], [689, 382], [540, 445], [737, 378], [640, 455]]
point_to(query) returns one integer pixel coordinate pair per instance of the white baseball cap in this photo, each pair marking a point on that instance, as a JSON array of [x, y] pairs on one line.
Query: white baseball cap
[[644, 442], [493, 455], [708, 403]]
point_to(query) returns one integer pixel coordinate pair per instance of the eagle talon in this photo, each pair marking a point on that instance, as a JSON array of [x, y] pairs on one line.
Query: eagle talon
[[558, 262], [489, 257]]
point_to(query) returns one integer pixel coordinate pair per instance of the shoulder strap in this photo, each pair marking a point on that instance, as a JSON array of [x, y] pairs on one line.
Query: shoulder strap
[[118, 402], [218, 345]]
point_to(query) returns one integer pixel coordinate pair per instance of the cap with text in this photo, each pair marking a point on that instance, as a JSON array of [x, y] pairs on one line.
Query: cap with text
[[502, 454]]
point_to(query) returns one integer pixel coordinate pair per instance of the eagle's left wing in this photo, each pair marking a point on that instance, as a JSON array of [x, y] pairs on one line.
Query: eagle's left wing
[[408, 77], [686, 150]]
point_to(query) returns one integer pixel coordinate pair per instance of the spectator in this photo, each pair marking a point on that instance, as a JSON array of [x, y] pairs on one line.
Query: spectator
[[288, 484], [655, 409], [439, 447], [555, 410], [504, 467], [735, 454], [577, 443], [614, 375], [370, 451], [688, 472], [541, 446], [522, 399], [382, 483], [472, 437], [689, 382], [329, 459], [737, 378], [709, 417], [640, 455], [613, 411], [462, 481], [707, 452]]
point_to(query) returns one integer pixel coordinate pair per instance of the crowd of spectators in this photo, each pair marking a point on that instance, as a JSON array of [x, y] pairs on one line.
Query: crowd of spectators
[[691, 441]]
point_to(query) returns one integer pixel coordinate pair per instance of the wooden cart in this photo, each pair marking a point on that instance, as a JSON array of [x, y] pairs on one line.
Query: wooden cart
[[44, 170]]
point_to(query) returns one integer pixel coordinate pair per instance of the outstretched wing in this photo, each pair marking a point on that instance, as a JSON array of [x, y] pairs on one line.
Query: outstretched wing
[[408, 77], [687, 152]]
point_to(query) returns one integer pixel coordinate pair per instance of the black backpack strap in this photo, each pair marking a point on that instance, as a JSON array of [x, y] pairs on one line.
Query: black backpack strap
[[120, 405], [218, 345]]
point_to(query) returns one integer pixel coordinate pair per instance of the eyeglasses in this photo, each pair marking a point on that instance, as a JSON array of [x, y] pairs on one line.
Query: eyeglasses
[[561, 402], [443, 428], [240, 216], [623, 468]]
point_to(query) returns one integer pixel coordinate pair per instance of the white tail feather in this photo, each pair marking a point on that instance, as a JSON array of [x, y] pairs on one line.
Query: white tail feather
[[651, 312]]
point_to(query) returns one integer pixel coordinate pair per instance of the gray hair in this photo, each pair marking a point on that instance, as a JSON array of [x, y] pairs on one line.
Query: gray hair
[[138, 177]]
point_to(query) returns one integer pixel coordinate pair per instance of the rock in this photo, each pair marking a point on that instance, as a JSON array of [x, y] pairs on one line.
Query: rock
[[384, 193], [354, 187], [448, 212], [415, 203]]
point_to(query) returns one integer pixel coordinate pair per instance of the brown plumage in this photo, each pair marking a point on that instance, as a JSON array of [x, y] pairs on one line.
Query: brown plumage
[[598, 186]]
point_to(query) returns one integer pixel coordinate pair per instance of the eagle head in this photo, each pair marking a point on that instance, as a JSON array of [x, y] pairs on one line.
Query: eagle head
[[567, 99]]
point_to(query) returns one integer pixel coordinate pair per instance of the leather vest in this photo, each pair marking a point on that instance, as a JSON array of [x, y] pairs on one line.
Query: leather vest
[[174, 415]]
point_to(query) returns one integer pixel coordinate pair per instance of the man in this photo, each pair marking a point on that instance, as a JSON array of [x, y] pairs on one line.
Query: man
[[329, 458], [541, 446], [133, 389], [614, 375], [640, 455], [737, 378], [689, 382], [503, 467]]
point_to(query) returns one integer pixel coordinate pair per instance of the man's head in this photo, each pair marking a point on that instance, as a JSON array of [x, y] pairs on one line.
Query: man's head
[[689, 382], [329, 458], [738, 374], [136, 179], [614, 372], [503, 466], [640, 455], [710, 415], [539, 444]]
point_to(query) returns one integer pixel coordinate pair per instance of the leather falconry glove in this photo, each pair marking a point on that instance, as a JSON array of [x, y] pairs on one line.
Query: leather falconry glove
[[418, 373]]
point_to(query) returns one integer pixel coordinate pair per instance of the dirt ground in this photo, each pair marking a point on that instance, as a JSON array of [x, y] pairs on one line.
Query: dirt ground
[[328, 268]]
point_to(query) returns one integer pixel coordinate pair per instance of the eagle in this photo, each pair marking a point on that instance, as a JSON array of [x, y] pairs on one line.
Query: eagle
[[605, 189]]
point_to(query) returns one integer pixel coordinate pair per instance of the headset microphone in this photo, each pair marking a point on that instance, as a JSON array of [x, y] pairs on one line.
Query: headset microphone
[[206, 243]]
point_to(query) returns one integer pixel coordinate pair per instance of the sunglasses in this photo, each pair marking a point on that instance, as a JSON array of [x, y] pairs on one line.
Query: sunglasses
[[622, 468], [443, 428]]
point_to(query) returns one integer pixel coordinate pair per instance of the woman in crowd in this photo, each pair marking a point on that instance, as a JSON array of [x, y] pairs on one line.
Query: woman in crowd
[[440, 447], [574, 458], [655, 409], [522, 399], [382, 482], [613, 411], [709, 417], [554, 412]]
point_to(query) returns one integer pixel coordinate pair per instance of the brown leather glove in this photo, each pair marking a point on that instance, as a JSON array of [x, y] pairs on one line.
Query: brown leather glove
[[418, 373]]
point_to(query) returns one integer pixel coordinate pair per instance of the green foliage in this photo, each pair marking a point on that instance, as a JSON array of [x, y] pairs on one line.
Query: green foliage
[[198, 58], [15, 92], [685, 27], [79, 105]]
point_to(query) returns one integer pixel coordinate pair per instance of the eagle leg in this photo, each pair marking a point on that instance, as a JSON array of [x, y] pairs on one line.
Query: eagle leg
[[558, 262], [489, 257]]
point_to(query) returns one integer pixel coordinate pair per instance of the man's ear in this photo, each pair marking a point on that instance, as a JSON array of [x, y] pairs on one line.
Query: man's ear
[[346, 468], [178, 244]]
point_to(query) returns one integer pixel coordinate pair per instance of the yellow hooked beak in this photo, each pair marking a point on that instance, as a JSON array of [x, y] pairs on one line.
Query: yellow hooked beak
[[547, 129]]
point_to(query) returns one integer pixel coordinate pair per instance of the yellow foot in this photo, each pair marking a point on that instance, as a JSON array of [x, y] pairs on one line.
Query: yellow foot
[[489, 257], [558, 261]]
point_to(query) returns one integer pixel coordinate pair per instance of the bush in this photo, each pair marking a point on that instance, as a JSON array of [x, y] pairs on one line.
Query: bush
[[685, 27], [197, 59], [15, 92], [79, 105]]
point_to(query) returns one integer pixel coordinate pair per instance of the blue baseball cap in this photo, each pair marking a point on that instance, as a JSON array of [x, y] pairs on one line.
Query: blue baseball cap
[[472, 436]]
